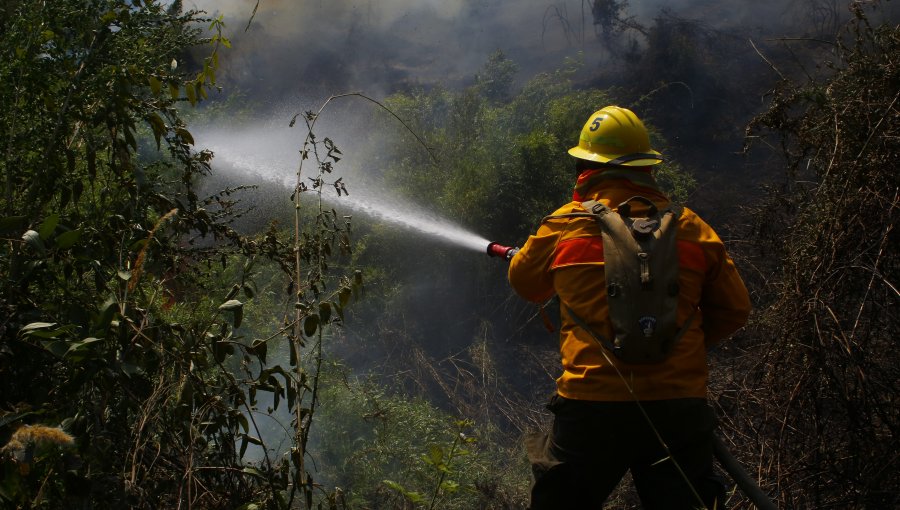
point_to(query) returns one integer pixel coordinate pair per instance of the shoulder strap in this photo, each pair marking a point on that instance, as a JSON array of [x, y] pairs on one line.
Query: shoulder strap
[[615, 348], [596, 208], [593, 209]]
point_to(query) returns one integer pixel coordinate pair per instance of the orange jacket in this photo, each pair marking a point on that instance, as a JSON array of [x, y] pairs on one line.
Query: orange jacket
[[565, 258]]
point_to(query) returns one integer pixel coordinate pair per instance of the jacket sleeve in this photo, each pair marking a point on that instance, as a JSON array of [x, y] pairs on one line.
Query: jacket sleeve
[[725, 301], [529, 273]]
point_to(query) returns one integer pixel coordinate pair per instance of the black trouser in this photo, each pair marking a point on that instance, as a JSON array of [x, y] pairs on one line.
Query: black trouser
[[593, 444]]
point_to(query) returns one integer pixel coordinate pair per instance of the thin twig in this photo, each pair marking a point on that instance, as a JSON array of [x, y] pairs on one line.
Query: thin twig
[[766, 60]]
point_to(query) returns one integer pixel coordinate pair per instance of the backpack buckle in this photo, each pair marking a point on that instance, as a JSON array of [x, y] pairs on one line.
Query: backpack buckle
[[644, 226]]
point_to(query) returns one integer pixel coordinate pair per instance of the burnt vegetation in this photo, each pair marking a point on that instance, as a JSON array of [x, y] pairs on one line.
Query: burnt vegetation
[[822, 391]]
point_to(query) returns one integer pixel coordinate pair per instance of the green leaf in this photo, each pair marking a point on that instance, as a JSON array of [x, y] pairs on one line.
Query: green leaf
[[231, 305], [131, 370], [242, 421], [7, 419], [35, 326], [435, 455], [158, 125], [394, 485], [259, 348], [46, 330], [138, 245], [108, 17], [58, 348], [449, 486], [186, 393], [243, 448], [236, 308], [67, 239], [253, 440], [129, 136], [191, 92], [185, 135], [48, 226], [105, 316], [155, 85], [412, 496], [76, 348], [77, 190], [324, 312], [221, 350], [252, 471], [310, 325]]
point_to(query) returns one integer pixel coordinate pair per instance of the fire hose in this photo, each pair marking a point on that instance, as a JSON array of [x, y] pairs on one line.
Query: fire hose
[[734, 468], [731, 465]]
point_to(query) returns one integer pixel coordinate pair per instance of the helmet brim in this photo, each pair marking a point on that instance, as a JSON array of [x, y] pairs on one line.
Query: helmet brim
[[652, 157]]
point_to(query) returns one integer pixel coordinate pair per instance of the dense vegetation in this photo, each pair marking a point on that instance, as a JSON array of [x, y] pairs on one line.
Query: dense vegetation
[[160, 351], [825, 380], [127, 379]]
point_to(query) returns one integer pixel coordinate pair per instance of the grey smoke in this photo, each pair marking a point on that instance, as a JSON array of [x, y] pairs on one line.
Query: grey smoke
[[379, 46]]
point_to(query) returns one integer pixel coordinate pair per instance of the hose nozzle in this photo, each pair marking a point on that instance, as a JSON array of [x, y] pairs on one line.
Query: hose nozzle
[[500, 251]]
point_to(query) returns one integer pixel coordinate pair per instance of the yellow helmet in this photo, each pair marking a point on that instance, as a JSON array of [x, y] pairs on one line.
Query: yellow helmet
[[615, 136]]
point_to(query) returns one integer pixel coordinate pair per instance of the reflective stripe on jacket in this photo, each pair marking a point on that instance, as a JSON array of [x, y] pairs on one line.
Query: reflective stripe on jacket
[[565, 257]]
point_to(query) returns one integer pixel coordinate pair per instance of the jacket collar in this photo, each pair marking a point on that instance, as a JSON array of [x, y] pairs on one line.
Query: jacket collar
[[593, 182]]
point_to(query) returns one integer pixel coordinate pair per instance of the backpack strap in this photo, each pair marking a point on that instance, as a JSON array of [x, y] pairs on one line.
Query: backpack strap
[[603, 341], [583, 325], [593, 209], [596, 210]]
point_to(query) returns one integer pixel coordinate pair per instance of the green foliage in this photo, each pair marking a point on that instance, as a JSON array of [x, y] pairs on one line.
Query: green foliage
[[390, 451], [126, 294], [495, 80], [94, 237], [502, 162], [319, 300], [440, 459]]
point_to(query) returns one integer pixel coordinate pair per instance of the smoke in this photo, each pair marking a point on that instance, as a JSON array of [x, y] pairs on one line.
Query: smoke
[[304, 47], [378, 47], [297, 52]]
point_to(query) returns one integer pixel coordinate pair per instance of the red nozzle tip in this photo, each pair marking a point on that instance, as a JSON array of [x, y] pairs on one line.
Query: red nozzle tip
[[500, 251]]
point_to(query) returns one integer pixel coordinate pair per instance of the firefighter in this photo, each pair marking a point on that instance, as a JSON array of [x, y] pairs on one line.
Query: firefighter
[[612, 416]]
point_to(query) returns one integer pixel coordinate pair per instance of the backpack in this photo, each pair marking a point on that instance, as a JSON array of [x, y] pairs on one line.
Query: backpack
[[641, 266]]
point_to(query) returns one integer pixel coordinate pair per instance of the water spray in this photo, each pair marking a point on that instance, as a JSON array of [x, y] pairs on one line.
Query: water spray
[[500, 251]]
